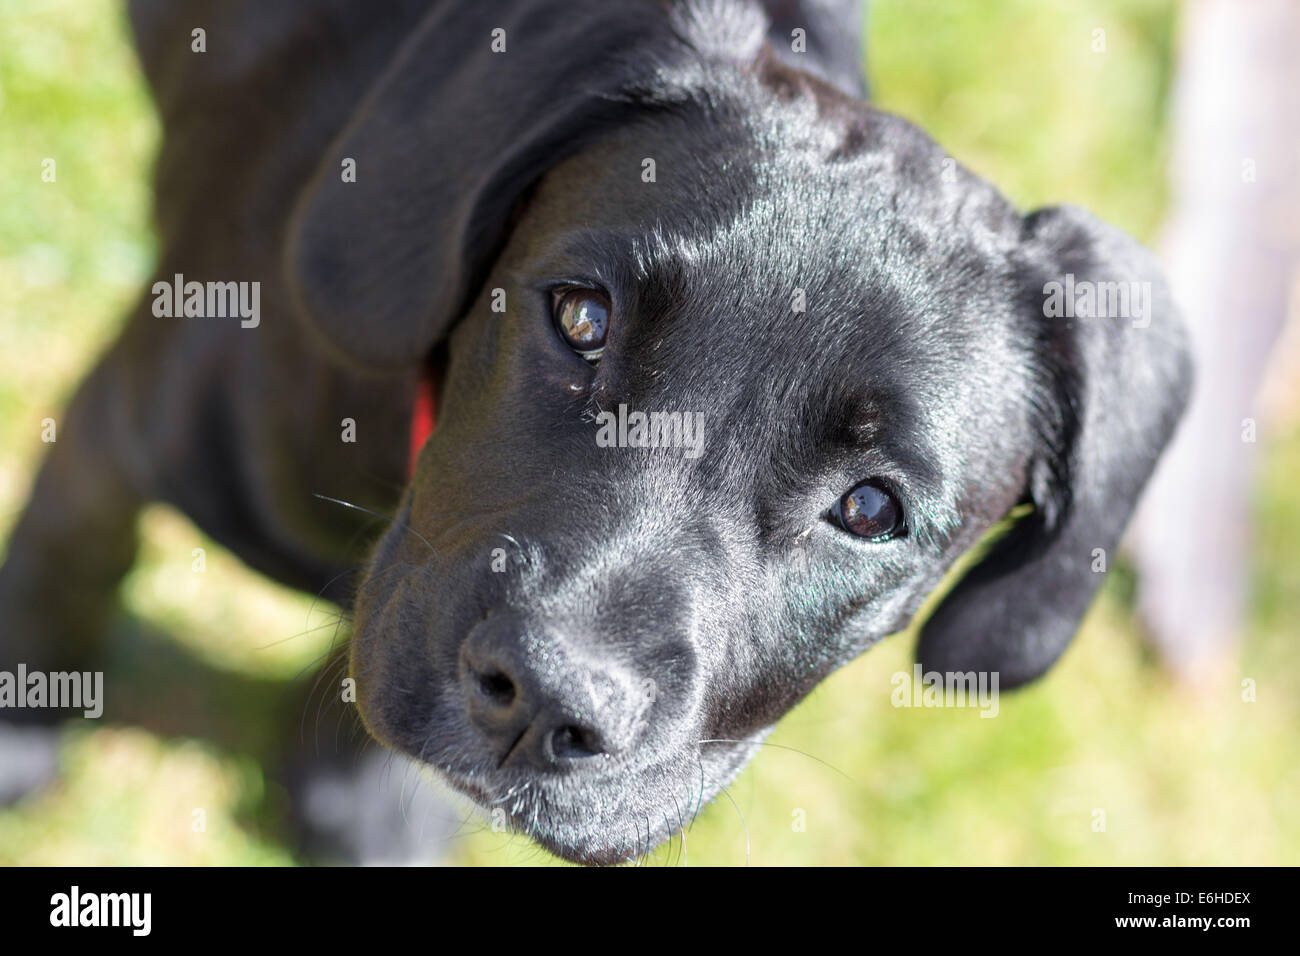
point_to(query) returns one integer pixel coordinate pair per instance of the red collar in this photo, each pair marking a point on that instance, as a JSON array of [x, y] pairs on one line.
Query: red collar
[[424, 416]]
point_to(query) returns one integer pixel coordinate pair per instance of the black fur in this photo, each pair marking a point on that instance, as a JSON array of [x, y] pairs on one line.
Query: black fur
[[923, 359]]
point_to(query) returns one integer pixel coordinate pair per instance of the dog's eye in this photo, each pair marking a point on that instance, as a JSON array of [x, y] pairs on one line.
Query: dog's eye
[[582, 316], [869, 511]]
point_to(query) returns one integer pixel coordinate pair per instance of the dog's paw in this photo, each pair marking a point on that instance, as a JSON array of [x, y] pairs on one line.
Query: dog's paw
[[29, 760], [379, 811]]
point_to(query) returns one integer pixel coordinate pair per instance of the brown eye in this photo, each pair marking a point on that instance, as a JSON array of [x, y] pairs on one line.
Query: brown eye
[[869, 511], [582, 316]]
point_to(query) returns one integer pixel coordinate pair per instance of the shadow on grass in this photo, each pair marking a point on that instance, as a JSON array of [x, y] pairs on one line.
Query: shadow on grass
[[291, 729]]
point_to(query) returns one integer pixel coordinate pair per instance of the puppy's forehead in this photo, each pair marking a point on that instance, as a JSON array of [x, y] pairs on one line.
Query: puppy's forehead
[[806, 204], [789, 216], [798, 150]]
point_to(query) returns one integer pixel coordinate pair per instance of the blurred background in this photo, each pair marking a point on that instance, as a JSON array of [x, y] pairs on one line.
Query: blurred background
[[1189, 747]]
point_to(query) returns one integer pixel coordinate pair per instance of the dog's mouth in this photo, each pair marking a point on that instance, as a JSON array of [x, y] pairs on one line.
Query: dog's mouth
[[616, 818]]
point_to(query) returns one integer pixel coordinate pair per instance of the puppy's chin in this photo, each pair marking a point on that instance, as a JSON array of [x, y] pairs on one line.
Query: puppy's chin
[[616, 819]]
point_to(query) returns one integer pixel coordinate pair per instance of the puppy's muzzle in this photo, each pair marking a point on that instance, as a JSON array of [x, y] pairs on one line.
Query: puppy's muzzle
[[540, 703]]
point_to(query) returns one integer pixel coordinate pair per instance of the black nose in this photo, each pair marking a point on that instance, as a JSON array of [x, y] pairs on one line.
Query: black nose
[[543, 701]]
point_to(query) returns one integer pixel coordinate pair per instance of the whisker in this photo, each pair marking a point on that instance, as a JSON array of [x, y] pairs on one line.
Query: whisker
[[333, 620], [681, 828], [340, 661], [523, 553], [377, 514], [727, 793], [406, 775], [325, 587], [764, 743]]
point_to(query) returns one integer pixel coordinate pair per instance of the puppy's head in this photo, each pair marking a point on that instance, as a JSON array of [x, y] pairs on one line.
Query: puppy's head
[[737, 367]]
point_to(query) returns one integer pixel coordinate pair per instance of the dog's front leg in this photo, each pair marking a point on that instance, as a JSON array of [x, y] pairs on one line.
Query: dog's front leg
[[75, 539], [71, 546]]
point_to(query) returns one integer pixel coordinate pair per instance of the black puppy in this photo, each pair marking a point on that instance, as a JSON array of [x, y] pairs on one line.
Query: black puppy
[[569, 215]]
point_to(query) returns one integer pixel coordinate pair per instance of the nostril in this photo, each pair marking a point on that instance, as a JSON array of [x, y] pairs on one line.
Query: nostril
[[572, 742], [497, 688]]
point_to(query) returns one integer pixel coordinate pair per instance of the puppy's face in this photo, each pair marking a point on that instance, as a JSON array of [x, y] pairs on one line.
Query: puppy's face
[[591, 634], [737, 366]]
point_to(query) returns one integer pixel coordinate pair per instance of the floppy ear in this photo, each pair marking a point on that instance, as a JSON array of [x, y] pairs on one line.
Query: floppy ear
[[1111, 390], [475, 106]]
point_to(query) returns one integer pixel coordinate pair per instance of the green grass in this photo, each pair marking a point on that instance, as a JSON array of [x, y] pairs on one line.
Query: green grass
[[1013, 90]]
